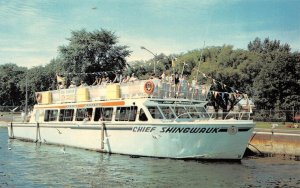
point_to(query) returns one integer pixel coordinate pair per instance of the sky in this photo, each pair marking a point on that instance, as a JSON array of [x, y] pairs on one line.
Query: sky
[[32, 30]]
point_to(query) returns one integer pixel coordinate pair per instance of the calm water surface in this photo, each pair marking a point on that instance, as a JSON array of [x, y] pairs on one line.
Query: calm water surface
[[26, 164]]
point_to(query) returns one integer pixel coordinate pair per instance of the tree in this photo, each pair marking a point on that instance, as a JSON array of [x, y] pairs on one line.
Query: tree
[[89, 52], [277, 84], [10, 76], [267, 46]]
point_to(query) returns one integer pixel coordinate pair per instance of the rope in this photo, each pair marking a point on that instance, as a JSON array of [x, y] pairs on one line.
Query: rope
[[255, 148]]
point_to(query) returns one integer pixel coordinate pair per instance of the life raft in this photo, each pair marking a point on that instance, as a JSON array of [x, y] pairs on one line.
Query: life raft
[[149, 87]]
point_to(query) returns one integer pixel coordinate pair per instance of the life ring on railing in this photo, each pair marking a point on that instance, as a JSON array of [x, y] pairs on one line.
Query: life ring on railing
[[38, 97], [149, 87]]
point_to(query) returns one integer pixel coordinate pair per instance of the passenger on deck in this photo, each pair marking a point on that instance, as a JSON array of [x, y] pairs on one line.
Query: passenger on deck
[[108, 81], [118, 78], [194, 83], [163, 77], [103, 82], [194, 87], [132, 78], [72, 85], [82, 84], [176, 78], [126, 79], [171, 79], [60, 85], [97, 81]]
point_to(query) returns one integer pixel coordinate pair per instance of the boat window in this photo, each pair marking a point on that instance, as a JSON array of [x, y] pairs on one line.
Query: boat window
[[181, 112], [103, 114], [202, 112], [84, 114], [155, 113], [193, 112], [126, 113], [142, 116], [51, 115], [66, 115], [168, 113]]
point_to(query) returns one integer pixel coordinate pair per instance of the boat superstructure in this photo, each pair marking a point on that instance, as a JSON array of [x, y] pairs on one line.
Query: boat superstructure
[[142, 118]]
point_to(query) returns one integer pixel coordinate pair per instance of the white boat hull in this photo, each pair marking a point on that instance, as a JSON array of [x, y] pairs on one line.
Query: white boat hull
[[204, 140]]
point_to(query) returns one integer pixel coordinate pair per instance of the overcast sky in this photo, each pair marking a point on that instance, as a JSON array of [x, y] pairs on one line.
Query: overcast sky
[[32, 30]]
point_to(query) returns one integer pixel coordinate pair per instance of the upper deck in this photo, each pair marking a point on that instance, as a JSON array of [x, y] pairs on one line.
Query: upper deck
[[153, 88]]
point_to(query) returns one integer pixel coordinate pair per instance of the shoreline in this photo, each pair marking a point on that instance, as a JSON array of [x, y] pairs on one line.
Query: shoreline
[[275, 142]]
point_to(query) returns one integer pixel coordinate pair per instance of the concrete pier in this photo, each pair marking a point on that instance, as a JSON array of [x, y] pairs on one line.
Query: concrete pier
[[270, 141]]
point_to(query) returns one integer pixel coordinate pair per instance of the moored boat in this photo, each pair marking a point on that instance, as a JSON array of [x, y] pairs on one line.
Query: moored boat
[[141, 118]]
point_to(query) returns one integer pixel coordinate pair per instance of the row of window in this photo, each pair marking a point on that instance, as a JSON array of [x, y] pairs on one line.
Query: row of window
[[128, 113], [180, 112], [101, 114]]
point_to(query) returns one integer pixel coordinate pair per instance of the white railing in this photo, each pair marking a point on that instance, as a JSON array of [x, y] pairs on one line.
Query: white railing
[[135, 89], [230, 115]]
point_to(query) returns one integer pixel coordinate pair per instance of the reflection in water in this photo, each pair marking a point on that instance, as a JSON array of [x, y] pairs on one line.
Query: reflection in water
[[35, 165]]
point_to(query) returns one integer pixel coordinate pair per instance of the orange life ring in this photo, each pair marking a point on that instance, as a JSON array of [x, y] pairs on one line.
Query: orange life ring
[[149, 87], [38, 97]]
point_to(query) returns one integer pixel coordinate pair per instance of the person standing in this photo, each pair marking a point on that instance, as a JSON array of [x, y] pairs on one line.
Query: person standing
[[118, 78], [72, 85]]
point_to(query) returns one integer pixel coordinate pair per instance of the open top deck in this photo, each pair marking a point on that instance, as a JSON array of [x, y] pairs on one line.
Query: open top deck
[[153, 88]]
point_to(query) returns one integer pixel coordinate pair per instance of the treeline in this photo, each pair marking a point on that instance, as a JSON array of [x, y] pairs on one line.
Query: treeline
[[267, 71]]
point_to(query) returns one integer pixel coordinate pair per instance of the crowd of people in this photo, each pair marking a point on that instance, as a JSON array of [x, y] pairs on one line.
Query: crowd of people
[[178, 81], [172, 79], [104, 80]]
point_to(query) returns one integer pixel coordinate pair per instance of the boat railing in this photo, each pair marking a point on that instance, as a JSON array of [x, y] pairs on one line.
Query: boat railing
[[192, 116], [244, 115], [135, 89], [181, 90]]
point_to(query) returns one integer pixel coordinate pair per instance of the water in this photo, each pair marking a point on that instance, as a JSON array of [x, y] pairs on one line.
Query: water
[[26, 164]]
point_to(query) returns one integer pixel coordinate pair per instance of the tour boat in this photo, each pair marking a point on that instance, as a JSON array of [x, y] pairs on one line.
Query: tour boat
[[140, 118]]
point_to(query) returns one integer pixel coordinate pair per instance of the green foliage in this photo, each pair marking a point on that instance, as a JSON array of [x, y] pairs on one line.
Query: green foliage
[[268, 71], [267, 46], [10, 87], [89, 52]]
